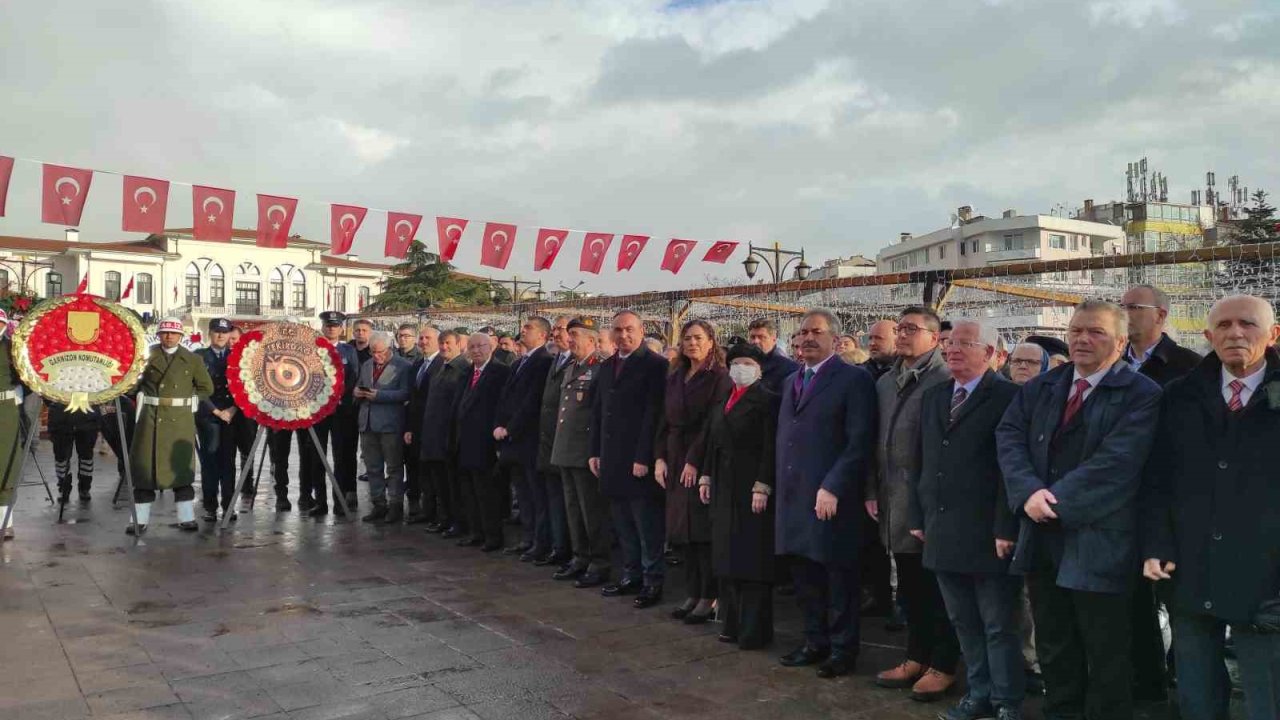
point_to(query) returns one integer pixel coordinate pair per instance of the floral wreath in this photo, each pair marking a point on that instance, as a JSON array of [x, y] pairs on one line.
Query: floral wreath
[[285, 376]]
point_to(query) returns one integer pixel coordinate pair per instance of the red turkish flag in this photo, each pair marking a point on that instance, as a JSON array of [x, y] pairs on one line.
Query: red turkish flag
[[548, 247], [720, 252], [275, 215], [213, 210], [128, 289], [65, 190], [344, 223], [594, 248], [6, 171], [449, 231], [401, 229], [146, 201], [83, 287], [630, 249], [677, 252], [498, 239]]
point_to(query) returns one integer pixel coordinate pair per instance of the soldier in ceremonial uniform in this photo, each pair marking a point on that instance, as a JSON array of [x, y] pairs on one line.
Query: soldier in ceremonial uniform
[[214, 424], [342, 423], [163, 453], [10, 428], [73, 432]]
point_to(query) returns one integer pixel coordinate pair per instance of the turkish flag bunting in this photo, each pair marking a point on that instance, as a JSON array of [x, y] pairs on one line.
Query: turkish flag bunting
[[275, 215], [548, 247], [594, 248], [677, 252], [344, 223], [498, 239], [146, 202], [6, 171], [720, 252], [128, 289], [213, 210], [83, 287], [631, 247], [401, 229], [65, 190], [449, 231]]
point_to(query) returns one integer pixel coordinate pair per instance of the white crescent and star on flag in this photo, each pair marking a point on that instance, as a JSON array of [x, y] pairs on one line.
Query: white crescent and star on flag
[[214, 200], [137, 198], [284, 215], [64, 180]]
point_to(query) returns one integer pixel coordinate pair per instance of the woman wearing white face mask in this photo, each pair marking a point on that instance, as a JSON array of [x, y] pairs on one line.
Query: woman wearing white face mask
[[738, 483]]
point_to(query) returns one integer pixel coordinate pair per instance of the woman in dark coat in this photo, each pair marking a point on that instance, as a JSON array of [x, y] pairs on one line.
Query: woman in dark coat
[[697, 377], [737, 482]]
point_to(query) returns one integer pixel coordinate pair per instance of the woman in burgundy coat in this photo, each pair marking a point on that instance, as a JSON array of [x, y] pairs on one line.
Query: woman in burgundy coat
[[697, 377]]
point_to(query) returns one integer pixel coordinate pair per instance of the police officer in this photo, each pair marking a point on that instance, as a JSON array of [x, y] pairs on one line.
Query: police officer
[[342, 423], [214, 425], [163, 454]]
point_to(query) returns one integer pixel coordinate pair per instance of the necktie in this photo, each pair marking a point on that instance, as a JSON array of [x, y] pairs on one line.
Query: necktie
[[475, 378], [1236, 402], [617, 366], [519, 364], [957, 400], [1074, 402], [808, 378], [422, 371]]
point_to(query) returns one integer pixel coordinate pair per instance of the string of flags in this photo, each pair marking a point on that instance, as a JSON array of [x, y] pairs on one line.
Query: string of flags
[[145, 200]]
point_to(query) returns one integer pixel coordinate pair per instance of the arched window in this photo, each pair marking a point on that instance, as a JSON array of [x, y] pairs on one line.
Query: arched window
[[53, 284], [277, 289], [112, 290], [298, 290], [217, 286], [144, 288], [364, 297], [193, 284], [247, 268]]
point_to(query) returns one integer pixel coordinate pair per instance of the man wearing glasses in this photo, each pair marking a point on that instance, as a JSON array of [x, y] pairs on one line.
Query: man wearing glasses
[[1154, 354], [407, 343]]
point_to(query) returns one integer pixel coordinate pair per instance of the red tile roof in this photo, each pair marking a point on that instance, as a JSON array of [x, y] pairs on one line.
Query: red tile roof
[[343, 262], [243, 234], [146, 247]]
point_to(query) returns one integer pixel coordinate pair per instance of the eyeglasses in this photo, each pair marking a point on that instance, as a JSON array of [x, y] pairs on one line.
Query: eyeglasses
[[967, 344], [1020, 362], [1139, 306], [909, 330]]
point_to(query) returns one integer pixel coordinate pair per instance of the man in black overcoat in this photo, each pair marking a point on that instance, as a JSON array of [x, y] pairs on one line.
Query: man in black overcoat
[[516, 432], [437, 441], [481, 484]]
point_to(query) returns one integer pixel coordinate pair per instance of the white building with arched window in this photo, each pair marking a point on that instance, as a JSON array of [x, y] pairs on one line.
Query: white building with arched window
[[175, 274]]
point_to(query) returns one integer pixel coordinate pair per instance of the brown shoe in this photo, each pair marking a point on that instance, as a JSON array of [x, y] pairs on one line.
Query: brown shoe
[[903, 676], [932, 686]]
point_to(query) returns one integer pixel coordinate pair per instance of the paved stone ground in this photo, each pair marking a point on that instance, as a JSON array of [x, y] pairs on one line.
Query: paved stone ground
[[291, 618]]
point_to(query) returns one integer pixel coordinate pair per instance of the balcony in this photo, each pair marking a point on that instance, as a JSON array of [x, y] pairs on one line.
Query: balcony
[[995, 257]]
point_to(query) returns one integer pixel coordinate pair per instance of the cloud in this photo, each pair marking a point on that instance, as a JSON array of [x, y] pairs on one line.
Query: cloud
[[370, 145]]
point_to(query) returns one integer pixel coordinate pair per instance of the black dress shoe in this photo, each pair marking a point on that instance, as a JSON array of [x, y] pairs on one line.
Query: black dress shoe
[[495, 547], [136, 530], [434, 528], [84, 495], [283, 505], [724, 638], [554, 558], [210, 515], [529, 556], [568, 573], [305, 504], [471, 542], [682, 611], [804, 655], [189, 526], [375, 515], [518, 549], [651, 595], [451, 533], [319, 511], [836, 665], [591, 579], [626, 587], [696, 619]]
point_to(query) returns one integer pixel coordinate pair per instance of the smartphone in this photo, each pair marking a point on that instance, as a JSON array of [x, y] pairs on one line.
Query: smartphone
[[362, 387]]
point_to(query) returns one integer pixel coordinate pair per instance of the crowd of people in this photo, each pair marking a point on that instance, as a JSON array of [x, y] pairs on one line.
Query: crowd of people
[[1032, 506]]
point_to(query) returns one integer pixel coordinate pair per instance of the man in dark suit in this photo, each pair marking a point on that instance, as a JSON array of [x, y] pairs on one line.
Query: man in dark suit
[[548, 473], [1209, 512], [763, 333], [381, 392], [213, 426], [434, 430], [1072, 446], [1153, 353], [627, 402], [480, 483], [825, 447], [959, 511], [516, 430], [420, 494]]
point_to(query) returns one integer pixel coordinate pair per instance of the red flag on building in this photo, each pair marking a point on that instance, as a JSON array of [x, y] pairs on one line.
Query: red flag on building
[[677, 252], [6, 171], [720, 252], [146, 201], [275, 216], [128, 289], [401, 229], [498, 239], [631, 247], [83, 287], [594, 248], [449, 231], [548, 247], [213, 211], [65, 190], [344, 223]]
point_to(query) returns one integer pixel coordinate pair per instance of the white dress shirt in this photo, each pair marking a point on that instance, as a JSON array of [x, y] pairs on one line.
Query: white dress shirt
[[1251, 383], [1093, 379]]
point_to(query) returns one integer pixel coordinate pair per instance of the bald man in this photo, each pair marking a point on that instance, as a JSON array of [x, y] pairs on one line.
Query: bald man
[[880, 346]]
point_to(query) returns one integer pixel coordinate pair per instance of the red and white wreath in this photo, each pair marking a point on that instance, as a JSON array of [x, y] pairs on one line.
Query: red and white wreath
[[285, 376]]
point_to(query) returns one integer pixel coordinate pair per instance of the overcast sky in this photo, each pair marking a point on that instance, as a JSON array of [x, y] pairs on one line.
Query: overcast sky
[[823, 124]]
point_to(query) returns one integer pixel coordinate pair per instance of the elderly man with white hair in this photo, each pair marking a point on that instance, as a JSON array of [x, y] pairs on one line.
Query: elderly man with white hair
[[960, 512], [1210, 509], [381, 392]]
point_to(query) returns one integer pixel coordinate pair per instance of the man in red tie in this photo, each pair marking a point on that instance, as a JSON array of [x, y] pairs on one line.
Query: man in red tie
[[1072, 446], [1208, 504], [476, 452]]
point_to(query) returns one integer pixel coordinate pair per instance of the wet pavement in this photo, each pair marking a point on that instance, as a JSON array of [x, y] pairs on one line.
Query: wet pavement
[[285, 617]]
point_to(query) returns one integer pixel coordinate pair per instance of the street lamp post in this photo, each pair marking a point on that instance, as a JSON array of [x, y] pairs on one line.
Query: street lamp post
[[27, 268], [777, 266], [571, 293], [518, 287]]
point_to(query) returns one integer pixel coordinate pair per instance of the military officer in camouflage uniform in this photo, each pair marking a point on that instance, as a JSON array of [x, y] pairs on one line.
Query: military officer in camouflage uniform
[[10, 434], [163, 453]]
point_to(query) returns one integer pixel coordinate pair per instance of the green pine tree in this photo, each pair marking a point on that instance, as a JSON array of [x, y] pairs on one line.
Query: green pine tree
[[422, 281], [1259, 222]]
